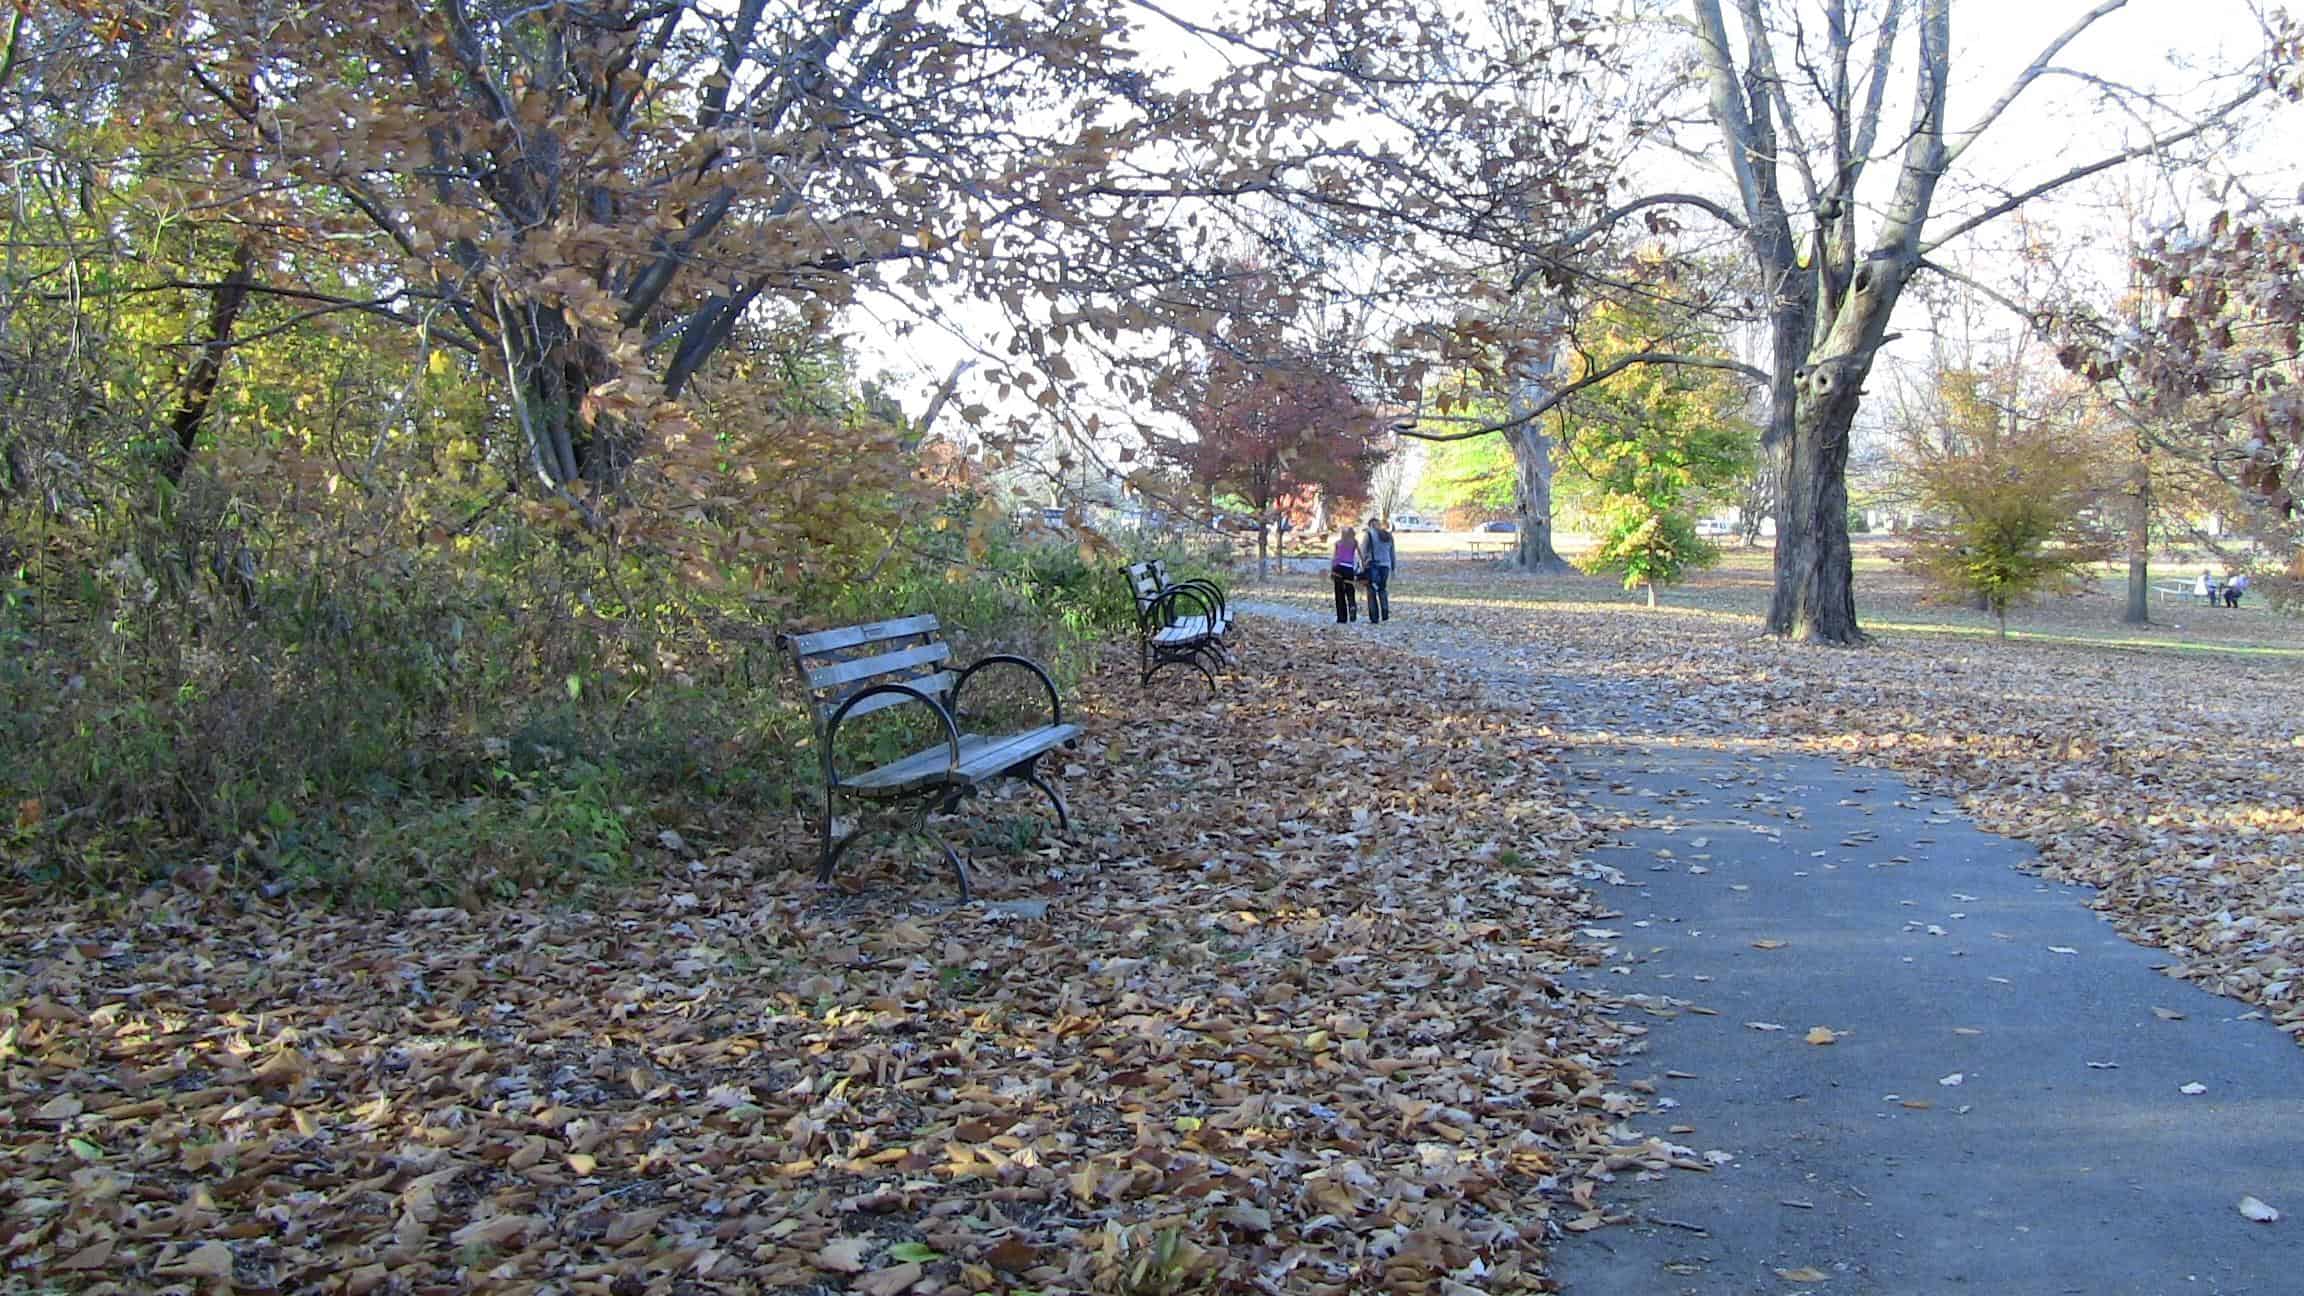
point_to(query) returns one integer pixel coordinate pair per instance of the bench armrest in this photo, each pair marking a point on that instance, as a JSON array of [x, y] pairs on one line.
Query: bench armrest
[[832, 724], [1055, 703], [1162, 611], [1210, 589]]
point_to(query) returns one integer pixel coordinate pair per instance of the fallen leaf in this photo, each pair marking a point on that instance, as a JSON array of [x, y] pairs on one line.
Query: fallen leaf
[[1821, 1035], [888, 1282], [2193, 1089], [1768, 944], [2062, 949], [493, 1232], [214, 1260], [95, 1255], [2167, 1014], [1015, 1255], [1803, 1274], [2258, 1211], [58, 1109], [842, 1255], [1957, 1077], [1763, 1026]]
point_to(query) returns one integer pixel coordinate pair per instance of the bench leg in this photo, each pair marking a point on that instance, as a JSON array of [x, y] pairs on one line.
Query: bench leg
[[1192, 661], [1032, 775], [938, 803], [829, 853]]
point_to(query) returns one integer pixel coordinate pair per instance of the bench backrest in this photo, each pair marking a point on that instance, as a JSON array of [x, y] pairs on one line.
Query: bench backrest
[[1145, 581], [834, 665]]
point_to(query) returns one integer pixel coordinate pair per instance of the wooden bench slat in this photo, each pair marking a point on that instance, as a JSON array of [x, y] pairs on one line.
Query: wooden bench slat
[[895, 663], [935, 686], [981, 755], [824, 641]]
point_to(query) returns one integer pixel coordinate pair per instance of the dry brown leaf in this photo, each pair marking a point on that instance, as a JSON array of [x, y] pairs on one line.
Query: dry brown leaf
[[888, 1282], [207, 1260], [1822, 1035], [1803, 1274], [843, 1255]]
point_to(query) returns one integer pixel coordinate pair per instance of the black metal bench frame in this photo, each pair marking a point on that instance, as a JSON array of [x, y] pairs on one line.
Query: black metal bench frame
[[1178, 623], [855, 670]]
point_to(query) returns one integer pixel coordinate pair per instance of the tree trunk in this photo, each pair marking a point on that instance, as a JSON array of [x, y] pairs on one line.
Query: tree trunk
[[1264, 549], [2139, 609], [1815, 595], [198, 389], [551, 374], [1757, 503], [1651, 592], [1532, 466], [1532, 496]]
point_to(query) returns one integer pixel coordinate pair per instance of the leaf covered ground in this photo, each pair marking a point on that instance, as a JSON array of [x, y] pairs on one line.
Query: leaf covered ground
[[2164, 766], [1287, 1015]]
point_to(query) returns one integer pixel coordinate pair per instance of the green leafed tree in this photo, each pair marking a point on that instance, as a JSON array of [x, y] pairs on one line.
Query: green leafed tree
[[1467, 475], [1655, 445], [1649, 547]]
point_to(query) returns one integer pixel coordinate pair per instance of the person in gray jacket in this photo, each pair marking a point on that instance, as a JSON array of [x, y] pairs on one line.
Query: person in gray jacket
[[1376, 557]]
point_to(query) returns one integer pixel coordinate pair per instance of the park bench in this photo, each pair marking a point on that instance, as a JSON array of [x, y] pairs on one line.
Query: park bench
[[1178, 623], [856, 670]]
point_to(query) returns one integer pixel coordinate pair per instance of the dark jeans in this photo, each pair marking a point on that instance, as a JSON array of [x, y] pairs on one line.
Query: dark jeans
[[1380, 592], [1347, 605]]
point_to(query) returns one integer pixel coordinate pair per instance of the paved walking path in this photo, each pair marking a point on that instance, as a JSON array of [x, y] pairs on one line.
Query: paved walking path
[[2002, 1107]]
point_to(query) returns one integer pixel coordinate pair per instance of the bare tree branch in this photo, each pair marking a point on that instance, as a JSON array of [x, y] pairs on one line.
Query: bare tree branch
[[1960, 142], [2215, 117], [1552, 401]]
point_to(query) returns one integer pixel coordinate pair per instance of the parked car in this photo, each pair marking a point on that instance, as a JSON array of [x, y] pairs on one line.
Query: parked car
[[1501, 524], [1414, 522]]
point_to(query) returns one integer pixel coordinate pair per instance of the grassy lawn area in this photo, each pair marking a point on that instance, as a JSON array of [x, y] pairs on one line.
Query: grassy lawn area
[[1890, 601]]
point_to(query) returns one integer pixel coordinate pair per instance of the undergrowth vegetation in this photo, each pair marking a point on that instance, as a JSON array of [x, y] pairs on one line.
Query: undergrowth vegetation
[[421, 684]]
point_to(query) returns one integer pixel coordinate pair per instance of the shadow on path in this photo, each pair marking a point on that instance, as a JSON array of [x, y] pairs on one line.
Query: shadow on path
[[2002, 1108]]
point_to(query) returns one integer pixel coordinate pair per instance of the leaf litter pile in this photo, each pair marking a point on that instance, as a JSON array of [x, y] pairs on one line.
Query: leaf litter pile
[[1288, 1015], [2172, 782]]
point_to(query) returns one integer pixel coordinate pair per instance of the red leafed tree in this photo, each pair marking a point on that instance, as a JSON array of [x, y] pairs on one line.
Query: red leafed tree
[[1272, 422]]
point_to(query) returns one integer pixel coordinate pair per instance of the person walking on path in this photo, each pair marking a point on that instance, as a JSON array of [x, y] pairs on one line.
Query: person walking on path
[[1376, 557], [1343, 570]]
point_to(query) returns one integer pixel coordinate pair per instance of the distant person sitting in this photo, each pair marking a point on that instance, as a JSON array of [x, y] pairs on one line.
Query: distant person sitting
[[2235, 586]]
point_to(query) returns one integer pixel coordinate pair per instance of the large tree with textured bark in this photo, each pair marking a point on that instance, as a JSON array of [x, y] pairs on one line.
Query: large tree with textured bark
[[1805, 99]]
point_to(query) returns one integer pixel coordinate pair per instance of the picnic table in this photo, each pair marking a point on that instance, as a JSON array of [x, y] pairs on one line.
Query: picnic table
[[2188, 589], [1480, 546]]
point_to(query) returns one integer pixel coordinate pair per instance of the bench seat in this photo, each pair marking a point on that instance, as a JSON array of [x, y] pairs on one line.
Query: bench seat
[[982, 756]]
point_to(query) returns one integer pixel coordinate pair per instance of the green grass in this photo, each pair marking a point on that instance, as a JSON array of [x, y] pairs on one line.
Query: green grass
[[1733, 597]]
